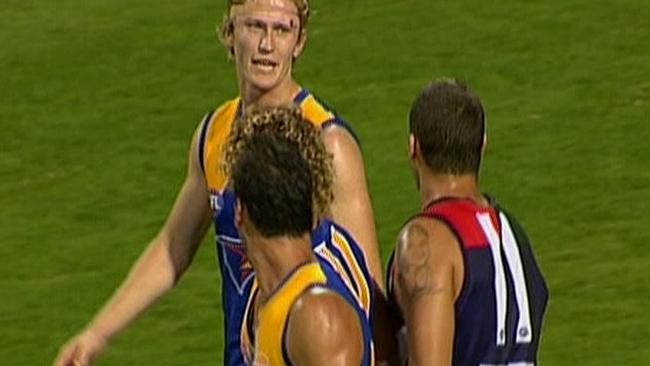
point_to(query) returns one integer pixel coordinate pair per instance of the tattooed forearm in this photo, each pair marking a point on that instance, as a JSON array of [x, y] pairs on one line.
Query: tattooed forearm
[[414, 261]]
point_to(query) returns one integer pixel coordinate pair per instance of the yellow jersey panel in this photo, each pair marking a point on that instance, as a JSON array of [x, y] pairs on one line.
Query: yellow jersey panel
[[218, 130], [342, 262], [314, 111], [273, 314]]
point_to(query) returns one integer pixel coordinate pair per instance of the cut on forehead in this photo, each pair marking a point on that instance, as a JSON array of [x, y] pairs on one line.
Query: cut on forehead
[[276, 7], [295, 7], [279, 3]]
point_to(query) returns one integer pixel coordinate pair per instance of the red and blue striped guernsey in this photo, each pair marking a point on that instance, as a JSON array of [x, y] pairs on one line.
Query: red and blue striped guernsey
[[500, 308]]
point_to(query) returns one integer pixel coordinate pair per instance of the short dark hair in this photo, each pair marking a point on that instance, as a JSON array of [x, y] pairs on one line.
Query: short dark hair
[[448, 121], [273, 182], [280, 169]]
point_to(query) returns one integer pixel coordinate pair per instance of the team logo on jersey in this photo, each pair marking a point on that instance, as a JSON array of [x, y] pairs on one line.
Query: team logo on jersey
[[216, 201], [237, 265]]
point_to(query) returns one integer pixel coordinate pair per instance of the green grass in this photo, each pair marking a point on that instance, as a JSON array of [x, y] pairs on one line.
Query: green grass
[[98, 101]]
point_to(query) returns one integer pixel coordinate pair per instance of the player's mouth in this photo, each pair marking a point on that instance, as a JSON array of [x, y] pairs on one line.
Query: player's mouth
[[264, 64]]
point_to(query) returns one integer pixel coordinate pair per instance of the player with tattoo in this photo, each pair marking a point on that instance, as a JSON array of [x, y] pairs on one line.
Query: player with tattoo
[[466, 287]]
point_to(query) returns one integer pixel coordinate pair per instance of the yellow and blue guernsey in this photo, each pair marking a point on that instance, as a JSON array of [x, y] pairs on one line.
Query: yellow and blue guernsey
[[265, 344], [236, 270]]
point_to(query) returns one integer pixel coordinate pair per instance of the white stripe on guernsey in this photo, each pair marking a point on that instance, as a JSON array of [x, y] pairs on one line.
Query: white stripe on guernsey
[[509, 364], [230, 239], [363, 291], [501, 292], [524, 330], [325, 253]]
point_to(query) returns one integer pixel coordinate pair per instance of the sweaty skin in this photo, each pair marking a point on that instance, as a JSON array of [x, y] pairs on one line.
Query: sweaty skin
[[320, 312]]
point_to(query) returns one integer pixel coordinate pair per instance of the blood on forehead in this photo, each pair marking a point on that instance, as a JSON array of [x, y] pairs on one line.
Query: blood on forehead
[[278, 3], [283, 9]]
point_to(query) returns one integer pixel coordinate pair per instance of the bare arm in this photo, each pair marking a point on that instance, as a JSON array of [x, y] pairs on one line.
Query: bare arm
[[323, 329], [351, 206], [156, 271], [353, 210], [427, 284]]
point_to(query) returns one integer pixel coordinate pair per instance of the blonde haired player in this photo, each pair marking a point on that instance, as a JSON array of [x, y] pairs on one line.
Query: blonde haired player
[[264, 38]]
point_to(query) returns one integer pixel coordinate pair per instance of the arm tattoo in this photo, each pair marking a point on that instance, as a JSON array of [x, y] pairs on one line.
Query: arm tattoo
[[414, 273]]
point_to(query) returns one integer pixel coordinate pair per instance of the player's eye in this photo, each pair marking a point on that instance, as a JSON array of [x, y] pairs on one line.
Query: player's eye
[[255, 25], [282, 29]]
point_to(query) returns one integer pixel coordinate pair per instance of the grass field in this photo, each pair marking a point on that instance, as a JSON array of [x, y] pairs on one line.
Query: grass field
[[98, 101]]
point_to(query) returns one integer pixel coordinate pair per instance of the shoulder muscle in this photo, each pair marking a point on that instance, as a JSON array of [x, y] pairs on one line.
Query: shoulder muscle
[[321, 311], [426, 254]]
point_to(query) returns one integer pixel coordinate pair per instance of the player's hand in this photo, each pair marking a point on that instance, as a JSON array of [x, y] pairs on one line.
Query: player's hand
[[81, 350]]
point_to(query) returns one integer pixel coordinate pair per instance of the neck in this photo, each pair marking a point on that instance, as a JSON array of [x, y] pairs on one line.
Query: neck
[[434, 186], [281, 94], [275, 258]]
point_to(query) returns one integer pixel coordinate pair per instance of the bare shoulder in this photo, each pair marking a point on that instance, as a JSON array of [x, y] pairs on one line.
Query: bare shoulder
[[321, 307], [425, 247], [321, 311], [424, 234], [339, 139], [352, 206]]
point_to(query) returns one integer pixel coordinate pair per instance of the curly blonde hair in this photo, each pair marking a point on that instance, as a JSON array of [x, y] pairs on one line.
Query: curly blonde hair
[[225, 29], [286, 123]]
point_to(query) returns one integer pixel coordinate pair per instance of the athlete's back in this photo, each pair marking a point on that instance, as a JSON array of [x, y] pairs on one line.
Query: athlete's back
[[499, 311], [266, 343]]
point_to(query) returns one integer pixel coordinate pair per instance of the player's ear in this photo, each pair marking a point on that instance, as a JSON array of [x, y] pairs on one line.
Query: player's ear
[[239, 215], [300, 44], [226, 31], [413, 146], [484, 143]]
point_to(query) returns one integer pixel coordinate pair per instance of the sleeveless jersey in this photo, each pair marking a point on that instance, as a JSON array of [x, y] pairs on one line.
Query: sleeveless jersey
[[265, 345], [500, 308], [236, 271]]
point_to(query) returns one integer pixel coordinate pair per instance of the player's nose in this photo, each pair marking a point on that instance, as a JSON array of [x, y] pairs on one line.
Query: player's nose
[[267, 42]]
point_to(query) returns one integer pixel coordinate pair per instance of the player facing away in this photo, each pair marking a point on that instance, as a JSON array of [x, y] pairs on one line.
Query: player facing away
[[301, 311], [463, 276], [264, 38]]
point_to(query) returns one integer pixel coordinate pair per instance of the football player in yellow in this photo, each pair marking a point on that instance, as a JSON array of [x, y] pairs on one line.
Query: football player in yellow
[[264, 39], [302, 311]]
